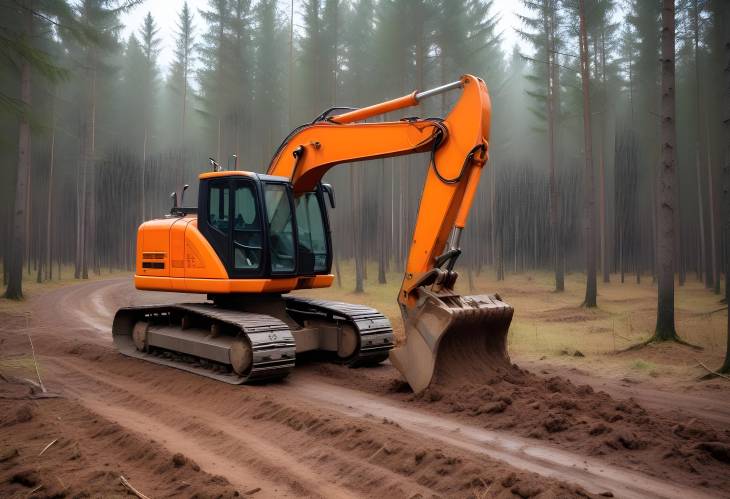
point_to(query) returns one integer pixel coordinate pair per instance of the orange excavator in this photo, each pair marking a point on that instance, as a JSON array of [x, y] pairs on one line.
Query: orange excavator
[[253, 238]]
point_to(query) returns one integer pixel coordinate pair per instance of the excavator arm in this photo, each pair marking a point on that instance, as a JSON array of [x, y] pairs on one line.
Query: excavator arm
[[445, 333]]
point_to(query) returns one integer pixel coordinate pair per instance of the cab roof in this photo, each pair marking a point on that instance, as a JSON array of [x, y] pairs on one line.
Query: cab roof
[[241, 173]]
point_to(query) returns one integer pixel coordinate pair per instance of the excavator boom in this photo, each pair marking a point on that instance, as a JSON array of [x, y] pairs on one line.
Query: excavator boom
[[448, 337]]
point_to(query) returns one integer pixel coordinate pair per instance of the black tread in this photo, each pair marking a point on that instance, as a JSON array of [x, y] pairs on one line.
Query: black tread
[[271, 340], [375, 330]]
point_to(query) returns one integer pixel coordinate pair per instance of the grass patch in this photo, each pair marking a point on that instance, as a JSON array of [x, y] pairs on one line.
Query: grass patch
[[643, 365], [547, 323]]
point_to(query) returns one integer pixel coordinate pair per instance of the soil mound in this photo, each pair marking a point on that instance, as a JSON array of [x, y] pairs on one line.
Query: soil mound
[[577, 417]]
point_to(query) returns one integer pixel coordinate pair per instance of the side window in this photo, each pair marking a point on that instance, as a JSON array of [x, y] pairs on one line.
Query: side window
[[281, 237], [218, 207], [310, 229], [247, 237]]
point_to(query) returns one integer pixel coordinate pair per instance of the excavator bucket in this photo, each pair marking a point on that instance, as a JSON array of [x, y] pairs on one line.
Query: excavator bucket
[[453, 340]]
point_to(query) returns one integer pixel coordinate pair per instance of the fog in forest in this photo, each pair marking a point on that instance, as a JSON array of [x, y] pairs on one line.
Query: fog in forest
[[110, 134]]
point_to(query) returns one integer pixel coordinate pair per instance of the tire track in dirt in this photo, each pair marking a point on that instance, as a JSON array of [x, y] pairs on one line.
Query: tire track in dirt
[[314, 452], [97, 301], [215, 443], [592, 474], [89, 455]]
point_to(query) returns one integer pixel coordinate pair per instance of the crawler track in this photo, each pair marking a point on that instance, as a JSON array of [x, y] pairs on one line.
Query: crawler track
[[270, 339], [273, 346], [376, 333]]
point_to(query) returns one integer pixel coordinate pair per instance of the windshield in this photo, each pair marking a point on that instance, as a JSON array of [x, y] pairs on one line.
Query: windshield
[[281, 236], [310, 230]]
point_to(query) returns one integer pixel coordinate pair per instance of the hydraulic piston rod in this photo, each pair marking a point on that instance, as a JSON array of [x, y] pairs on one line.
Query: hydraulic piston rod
[[409, 100], [439, 90]]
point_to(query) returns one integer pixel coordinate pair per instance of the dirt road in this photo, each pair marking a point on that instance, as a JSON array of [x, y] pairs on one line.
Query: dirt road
[[333, 432]]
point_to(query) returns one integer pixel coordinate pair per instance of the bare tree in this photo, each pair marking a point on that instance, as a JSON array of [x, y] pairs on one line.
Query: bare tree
[[588, 180]]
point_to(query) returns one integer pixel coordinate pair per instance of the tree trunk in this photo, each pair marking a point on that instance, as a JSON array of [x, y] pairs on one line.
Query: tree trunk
[[588, 181], [725, 23], [89, 197], [80, 175], [356, 230], [290, 69], [711, 200], [383, 239], [552, 88], [144, 173], [666, 198], [492, 215], [704, 265], [49, 210], [14, 290]]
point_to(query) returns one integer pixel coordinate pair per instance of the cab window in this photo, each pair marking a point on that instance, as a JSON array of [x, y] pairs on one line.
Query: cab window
[[281, 236], [310, 230], [218, 207], [247, 238]]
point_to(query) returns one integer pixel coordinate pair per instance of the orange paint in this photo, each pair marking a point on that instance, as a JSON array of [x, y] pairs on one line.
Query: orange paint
[[320, 146]]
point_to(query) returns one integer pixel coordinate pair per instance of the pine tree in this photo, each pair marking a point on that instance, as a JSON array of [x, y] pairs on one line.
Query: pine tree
[[720, 40], [23, 42], [644, 19], [358, 54], [666, 197], [269, 71], [542, 26], [218, 53], [181, 69], [588, 178], [150, 49], [602, 33], [99, 20]]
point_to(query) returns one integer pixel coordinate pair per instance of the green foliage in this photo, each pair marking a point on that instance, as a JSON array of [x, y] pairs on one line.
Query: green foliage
[[185, 56]]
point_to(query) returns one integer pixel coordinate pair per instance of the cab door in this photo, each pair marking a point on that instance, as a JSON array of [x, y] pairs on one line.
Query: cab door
[[231, 219], [216, 225]]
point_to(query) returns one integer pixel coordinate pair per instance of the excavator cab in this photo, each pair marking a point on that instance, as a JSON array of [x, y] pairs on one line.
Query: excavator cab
[[259, 229]]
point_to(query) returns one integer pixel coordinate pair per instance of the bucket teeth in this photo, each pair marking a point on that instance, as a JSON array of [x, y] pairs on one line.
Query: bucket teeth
[[453, 339]]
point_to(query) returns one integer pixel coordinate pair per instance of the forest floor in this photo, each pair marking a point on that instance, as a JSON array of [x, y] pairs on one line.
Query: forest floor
[[577, 418]]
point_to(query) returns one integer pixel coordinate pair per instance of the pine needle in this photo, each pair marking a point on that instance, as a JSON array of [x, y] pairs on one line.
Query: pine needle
[[35, 363], [47, 447], [34, 490], [129, 487]]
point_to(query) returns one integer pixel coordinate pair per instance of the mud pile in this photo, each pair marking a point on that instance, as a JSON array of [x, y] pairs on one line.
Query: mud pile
[[577, 417]]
